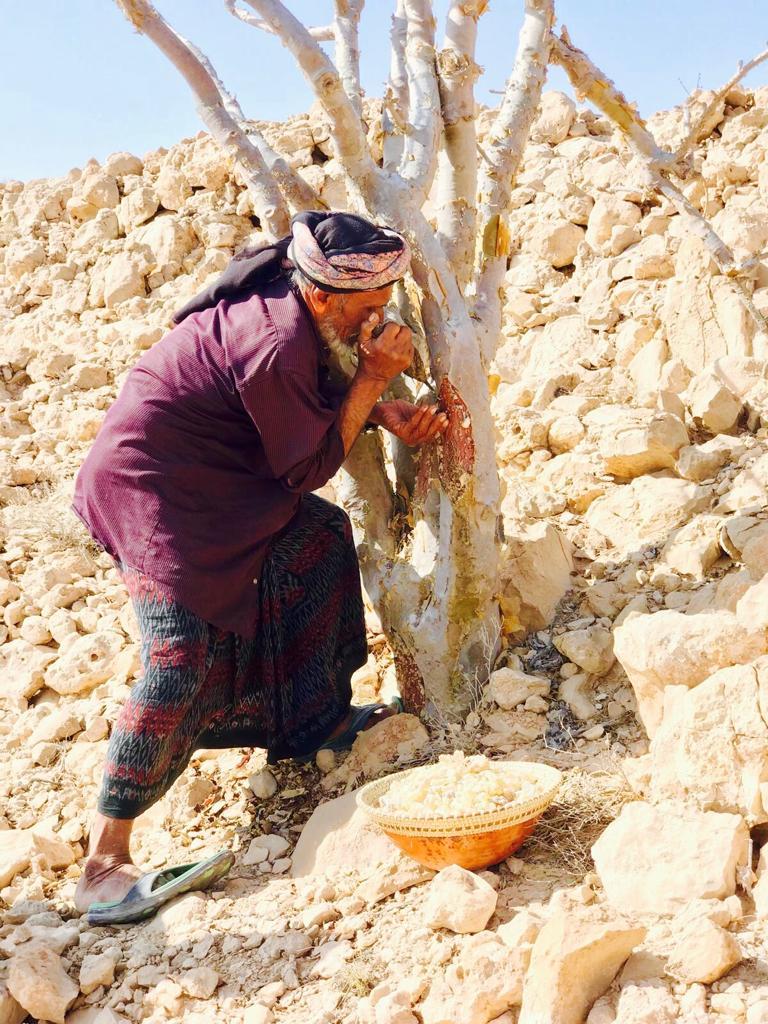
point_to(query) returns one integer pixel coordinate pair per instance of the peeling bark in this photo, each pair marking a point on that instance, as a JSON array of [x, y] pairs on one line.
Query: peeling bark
[[345, 33]]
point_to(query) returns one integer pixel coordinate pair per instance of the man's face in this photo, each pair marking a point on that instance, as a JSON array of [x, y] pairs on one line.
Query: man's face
[[340, 316]]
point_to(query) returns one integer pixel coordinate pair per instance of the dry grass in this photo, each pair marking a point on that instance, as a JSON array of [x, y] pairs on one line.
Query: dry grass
[[360, 977], [587, 802], [47, 516]]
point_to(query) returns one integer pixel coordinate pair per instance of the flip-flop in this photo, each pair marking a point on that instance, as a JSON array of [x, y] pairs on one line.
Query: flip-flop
[[155, 888], [359, 718]]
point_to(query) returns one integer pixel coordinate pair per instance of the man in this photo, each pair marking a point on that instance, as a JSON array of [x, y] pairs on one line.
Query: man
[[245, 585]]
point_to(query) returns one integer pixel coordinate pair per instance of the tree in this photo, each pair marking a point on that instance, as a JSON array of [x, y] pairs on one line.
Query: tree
[[429, 531]]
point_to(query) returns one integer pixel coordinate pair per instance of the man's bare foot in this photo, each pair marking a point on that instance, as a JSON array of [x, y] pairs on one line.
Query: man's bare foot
[[105, 879]]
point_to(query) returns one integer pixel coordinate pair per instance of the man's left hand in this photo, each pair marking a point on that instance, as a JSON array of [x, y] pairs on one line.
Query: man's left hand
[[413, 424]]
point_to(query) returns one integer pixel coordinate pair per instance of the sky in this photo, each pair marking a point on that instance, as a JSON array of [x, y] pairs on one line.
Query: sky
[[76, 81]]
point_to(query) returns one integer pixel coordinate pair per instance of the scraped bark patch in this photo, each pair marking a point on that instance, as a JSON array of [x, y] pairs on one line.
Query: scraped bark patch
[[457, 454]]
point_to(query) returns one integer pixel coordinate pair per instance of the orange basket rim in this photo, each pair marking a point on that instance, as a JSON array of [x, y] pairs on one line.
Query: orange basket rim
[[548, 777]]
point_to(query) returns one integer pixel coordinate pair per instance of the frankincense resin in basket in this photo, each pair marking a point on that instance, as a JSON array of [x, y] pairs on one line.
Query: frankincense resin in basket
[[456, 785]]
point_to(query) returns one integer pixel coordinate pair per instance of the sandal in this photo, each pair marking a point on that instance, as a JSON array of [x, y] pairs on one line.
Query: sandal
[[359, 718], [156, 888]]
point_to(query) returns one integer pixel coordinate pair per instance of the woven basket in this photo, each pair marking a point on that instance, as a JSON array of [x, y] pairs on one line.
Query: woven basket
[[472, 841]]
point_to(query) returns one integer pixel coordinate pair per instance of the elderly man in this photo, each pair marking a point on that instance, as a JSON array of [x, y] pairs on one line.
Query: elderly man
[[246, 586]]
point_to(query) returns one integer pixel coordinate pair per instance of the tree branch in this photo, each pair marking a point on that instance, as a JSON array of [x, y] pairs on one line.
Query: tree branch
[[394, 121], [419, 160], [592, 84], [345, 31], [457, 161], [503, 152], [346, 127], [321, 33], [694, 133], [215, 112]]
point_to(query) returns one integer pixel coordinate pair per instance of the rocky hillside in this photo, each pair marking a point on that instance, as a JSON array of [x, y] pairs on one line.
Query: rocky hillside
[[631, 399]]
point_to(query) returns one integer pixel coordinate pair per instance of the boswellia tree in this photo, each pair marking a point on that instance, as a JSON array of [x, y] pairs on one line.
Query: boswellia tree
[[428, 527]]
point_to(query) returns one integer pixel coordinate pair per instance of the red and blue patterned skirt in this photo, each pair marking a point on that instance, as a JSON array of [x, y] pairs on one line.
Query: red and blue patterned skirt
[[284, 690]]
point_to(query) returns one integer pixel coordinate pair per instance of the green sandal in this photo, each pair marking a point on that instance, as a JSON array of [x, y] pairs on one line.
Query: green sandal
[[155, 888]]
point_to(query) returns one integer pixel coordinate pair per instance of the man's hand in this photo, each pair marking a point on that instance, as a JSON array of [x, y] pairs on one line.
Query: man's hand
[[413, 424], [386, 355]]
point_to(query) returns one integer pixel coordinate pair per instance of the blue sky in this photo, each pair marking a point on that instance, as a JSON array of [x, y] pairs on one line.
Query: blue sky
[[77, 82]]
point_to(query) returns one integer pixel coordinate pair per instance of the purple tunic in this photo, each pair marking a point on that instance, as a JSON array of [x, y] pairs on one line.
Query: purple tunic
[[203, 458]]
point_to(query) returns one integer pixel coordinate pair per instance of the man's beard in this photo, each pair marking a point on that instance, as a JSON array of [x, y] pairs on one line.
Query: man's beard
[[342, 355]]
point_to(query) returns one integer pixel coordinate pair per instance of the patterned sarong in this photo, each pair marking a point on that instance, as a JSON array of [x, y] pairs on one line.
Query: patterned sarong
[[284, 690]]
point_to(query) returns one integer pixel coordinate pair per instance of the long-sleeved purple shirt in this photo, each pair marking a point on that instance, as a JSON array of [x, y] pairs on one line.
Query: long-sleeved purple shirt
[[202, 459]]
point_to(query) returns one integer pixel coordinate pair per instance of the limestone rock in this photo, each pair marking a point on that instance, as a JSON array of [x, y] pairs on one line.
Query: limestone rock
[[703, 954], [389, 742], [485, 980], [643, 512], [645, 1004], [39, 983], [172, 188], [607, 213], [711, 747], [509, 687], [263, 784], [705, 321], [670, 648], [694, 548], [460, 901], [712, 404], [11, 1012], [639, 447], [557, 242], [575, 957], [536, 573], [19, 847], [200, 982], [590, 648], [22, 668], [653, 860], [123, 280], [90, 660], [555, 116], [96, 970]]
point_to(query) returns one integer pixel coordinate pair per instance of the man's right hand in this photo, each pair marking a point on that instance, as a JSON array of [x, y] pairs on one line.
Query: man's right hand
[[386, 355]]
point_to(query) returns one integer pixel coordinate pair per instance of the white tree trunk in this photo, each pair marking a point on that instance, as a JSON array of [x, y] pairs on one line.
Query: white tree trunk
[[457, 161], [212, 107], [345, 32], [394, 121], [502, 154], [419, 159]]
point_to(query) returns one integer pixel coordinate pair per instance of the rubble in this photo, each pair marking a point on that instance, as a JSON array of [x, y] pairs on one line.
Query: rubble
[[631, 405]]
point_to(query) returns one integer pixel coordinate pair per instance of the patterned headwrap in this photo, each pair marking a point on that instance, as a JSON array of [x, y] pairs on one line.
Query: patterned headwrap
[[337, 252], [341, 252]]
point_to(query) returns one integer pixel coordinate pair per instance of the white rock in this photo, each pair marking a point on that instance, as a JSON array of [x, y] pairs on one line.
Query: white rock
[[274, 844], [39, 983], [263, 784], [712, 404], [652, 860], [554, 119], [96, 970], [703, 953], [643, 444], [200, 982], [123, 280], [591, 648], [712, 745], [607, 213], [394, 739], [10, 1011], [509, 687], [644, 512], [574, 959], [670, 648], [556, 242], [256, 853], [485, 980], [86, 663], [257, 1014], [460, 901]]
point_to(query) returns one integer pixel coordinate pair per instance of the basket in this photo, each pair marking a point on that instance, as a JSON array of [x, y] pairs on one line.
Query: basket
[[472, 841]]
